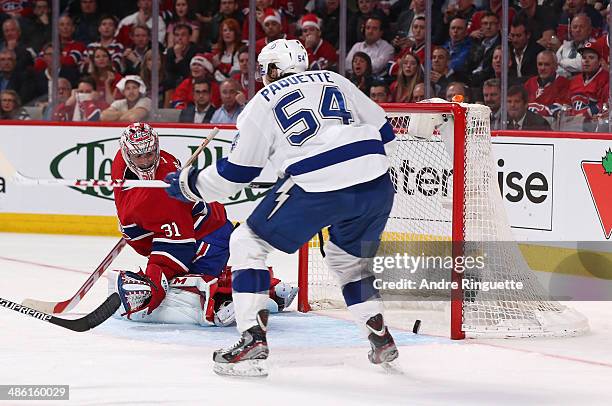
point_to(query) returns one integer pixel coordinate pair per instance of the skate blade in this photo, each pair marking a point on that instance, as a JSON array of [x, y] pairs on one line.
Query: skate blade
[[392, 368], [257, 368]]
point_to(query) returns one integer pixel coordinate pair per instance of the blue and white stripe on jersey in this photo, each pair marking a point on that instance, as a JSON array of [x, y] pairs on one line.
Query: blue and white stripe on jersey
[[133, 232], [178, 251]]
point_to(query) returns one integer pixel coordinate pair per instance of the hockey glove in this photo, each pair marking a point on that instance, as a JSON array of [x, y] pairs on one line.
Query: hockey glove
[[183, 185], [140, 293]]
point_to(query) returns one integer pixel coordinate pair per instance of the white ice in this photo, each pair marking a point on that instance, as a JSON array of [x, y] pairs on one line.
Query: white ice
[[316, 359]]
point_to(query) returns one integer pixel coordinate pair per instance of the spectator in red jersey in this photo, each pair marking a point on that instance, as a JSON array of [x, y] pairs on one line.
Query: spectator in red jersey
[[573, 8], [142, 16], [134, 55], [225, 59], [408, 76], [15, 8], [102, 72], [86, 21], [72, 51], [11, 34], [589, 91], [201, 68], [519, 117], [107, 25], [84, 103], [412, 41], [135, 106], [242, 78], [183, 15], [260, 15], [548, 91], [273, 29], [321, 54]]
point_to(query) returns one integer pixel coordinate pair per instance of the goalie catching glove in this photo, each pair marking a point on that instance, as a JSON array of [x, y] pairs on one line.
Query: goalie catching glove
[[141, 293], [183, 185]]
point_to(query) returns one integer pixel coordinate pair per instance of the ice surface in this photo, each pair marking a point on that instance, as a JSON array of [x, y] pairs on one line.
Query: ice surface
[[316, 359]]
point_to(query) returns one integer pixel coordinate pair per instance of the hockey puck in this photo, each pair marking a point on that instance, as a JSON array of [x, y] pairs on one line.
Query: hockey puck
[[416, 327]]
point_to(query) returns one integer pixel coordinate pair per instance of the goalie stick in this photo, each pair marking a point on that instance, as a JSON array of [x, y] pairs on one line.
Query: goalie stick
[[91, 320], [9, 172], [69, 304]]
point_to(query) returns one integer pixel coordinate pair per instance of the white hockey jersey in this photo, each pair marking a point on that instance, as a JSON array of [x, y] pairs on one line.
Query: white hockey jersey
[[315, 126]]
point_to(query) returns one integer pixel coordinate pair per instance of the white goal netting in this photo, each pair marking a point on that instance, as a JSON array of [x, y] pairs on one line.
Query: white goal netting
[[427, 221]]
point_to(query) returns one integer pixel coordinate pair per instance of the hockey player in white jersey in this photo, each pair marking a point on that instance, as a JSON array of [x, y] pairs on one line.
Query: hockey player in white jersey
[[327, 141]]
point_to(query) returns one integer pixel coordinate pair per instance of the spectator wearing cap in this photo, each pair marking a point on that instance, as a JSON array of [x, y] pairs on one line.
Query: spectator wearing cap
[[107, 25], [589, 91], [321, 54], [134, 107], [548, 91], [519, 117], [379, 50], [260, 15], [201, 110], [142, 16], [569, 61], [273, 29], [230, 107], [179, 56], [201, 68]]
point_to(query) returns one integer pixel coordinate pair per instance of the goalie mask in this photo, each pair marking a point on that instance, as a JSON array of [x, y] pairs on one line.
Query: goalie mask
[[280, 58], [140, 150]]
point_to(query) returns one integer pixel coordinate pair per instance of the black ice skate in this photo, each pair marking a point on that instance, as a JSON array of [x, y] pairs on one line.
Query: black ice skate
[[383, 347], [248, 356]]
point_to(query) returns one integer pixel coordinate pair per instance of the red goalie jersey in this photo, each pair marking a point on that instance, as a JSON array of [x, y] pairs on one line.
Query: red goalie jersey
[[173, 234]]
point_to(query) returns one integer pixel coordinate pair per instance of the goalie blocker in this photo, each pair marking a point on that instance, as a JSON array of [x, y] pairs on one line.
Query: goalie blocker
[[190, 299]]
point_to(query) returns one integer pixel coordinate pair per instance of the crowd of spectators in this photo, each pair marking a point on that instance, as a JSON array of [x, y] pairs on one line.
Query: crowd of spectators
[[558, 57]]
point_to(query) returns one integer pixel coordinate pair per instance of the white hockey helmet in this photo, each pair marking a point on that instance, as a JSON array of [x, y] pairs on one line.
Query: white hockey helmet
[[137, 139], [286, 56]]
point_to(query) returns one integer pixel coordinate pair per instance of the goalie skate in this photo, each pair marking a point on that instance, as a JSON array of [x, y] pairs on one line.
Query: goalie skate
[[383, 347], [248, 356]]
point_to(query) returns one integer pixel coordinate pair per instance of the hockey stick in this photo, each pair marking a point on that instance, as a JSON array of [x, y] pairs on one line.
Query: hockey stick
[[8, 171], [91, 320], [67, 305]]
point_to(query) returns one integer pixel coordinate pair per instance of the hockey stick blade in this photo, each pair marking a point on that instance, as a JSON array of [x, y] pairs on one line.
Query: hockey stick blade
[[69, 304], [91, 320]]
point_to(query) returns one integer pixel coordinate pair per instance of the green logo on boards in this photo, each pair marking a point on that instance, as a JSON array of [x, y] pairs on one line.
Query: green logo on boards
[[96, 158]]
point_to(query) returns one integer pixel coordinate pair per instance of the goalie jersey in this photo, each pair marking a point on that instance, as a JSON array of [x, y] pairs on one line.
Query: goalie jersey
[[315, 126], [171, 233]]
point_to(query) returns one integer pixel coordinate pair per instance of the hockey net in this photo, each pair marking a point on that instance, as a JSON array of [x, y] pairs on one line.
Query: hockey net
[[448, 203]]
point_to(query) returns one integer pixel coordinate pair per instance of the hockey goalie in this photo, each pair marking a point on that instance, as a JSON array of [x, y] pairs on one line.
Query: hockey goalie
[[186, 279]]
